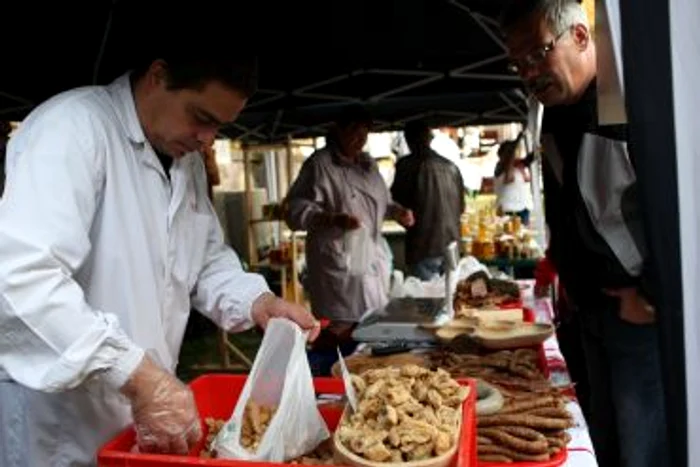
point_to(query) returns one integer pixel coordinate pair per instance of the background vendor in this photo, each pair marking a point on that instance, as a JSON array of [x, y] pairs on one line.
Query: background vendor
[[340, 188]]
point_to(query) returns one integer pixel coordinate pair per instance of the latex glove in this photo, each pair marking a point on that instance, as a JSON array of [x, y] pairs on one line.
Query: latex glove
[[633, 307], [165, 415], [269, 306]]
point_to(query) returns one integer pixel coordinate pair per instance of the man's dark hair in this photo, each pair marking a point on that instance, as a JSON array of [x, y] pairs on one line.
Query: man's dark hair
[[239, 73], [192, 63], [559, 14], [417, 134], [353, 114], [5, 129]]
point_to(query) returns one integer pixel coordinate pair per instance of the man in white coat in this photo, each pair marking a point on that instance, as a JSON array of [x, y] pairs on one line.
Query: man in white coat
[[107, 237]]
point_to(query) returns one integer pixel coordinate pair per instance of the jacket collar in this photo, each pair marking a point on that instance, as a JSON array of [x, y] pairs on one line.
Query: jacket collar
[[364, 162], [123, 97]]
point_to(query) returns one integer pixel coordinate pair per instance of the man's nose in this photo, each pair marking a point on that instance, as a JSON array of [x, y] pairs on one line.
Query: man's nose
[[207, 137], [528, 73]]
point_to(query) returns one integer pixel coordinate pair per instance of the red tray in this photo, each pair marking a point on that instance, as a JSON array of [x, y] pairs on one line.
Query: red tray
[[556, 461], [510, 304], [216, 396]]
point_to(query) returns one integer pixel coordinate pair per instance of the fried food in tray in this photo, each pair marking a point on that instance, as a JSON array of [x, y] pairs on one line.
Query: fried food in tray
[[405, 414], [359, 363], [481, 291], [321, 455]]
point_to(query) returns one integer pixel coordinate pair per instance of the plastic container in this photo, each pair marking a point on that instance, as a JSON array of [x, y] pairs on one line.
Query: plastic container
[[216, 396], [556, 461]]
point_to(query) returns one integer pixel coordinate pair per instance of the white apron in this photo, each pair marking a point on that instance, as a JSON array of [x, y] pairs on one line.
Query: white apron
[[101, 258]]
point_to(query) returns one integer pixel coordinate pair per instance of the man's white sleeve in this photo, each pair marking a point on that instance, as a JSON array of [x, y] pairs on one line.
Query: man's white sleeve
[[51, 339], [224, 291]]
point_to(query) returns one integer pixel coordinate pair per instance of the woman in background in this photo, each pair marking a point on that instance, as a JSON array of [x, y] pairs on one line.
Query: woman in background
[[512, 182]]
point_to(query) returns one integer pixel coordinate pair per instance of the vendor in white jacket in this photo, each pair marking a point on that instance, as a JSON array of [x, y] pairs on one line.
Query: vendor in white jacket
[[107, 237]]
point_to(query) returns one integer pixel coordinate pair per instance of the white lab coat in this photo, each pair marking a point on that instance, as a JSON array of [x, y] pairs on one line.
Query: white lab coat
[[101, 258]]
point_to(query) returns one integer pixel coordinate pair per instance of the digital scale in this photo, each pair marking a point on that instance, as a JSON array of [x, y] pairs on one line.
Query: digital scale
[[402, 319], [401, 324]]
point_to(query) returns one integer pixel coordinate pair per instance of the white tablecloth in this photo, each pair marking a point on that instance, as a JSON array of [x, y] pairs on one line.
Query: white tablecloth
[[581, 453]]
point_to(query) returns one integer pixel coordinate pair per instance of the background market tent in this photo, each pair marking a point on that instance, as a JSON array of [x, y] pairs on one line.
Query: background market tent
[[405, 59]]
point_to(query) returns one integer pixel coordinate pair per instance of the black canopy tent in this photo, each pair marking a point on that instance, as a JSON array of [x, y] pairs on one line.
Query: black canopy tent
[[403, 59]]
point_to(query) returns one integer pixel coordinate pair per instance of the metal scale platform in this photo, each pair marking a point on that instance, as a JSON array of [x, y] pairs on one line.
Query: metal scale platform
[[400, 321], [400, 325]]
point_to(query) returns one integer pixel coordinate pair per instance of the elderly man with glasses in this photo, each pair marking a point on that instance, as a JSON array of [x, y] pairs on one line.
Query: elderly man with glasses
[[597, 243]]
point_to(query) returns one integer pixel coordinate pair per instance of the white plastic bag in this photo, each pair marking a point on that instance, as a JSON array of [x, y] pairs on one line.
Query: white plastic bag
[[358, 250], [280, 377], [397, 280]]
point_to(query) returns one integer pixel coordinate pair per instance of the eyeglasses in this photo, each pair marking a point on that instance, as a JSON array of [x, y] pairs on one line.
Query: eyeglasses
[[535, 57]]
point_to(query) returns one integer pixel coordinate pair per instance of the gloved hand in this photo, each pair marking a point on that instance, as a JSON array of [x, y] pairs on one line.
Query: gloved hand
[[163, 408]]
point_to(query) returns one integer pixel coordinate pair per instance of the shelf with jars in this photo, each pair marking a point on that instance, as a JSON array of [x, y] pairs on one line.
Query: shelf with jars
[[488, 236]]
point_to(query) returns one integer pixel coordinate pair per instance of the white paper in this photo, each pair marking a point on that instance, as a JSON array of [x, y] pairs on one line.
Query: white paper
[[347, 382]]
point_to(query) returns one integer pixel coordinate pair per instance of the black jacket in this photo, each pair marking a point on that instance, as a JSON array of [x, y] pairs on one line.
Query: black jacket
[[432, 187], [596, 237]]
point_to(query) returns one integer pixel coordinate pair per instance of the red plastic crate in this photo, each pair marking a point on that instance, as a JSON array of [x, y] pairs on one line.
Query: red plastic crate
[[216, 396], [558, 460]]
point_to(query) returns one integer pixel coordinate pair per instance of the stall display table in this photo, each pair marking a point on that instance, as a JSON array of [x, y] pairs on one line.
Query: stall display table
[[514, 267], [581, 453]]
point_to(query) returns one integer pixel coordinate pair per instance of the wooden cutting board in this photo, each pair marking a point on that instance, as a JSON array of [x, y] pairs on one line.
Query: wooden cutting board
[[359, 363], [498, 335]]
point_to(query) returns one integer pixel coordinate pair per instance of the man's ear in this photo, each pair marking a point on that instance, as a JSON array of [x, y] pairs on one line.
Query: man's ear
[[581, 36], [158, 73]]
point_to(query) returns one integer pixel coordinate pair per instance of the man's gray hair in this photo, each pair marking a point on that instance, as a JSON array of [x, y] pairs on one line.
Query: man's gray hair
[[560, 15]]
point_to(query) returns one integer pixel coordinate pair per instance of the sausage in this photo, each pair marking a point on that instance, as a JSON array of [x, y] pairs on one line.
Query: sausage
[[519, 439], [527, 420], [514, 455]]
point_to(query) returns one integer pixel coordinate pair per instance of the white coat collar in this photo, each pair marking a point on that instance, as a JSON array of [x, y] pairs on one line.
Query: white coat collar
[[123, 97]]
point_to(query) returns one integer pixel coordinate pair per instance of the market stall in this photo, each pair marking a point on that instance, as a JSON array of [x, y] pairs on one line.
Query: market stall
[[517, 401], [542, 387]]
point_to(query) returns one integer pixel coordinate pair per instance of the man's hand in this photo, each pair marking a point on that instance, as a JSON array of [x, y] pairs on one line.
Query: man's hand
[[165, 415], [345, 221], [405, 218], [340, 220], [633, 307], [268, 306], [542, 291]]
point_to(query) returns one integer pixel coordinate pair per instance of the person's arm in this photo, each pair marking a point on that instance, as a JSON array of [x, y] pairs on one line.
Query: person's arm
[[399, 213], [305, 203], [401, 195], [52, 340], [305, 206], [234, 299], [224, 292], [401, 188], [460, 185]]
